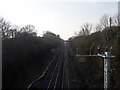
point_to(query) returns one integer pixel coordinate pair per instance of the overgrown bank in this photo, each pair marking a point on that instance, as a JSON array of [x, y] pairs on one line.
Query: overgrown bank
[[108, 37]]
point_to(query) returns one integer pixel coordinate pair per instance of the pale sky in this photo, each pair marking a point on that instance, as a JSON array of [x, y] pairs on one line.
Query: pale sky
[[63, 17]]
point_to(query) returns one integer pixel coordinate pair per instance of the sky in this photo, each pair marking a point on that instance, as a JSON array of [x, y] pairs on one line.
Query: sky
[[63, 17]]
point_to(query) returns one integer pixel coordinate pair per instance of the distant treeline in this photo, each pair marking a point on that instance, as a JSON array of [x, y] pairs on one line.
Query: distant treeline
[[23, 51]]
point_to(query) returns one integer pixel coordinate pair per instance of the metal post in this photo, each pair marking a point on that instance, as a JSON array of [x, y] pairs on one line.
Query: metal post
[[119, 14], [110, 21], [107, 70]]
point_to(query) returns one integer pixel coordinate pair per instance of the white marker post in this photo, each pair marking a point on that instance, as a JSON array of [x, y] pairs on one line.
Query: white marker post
[[107, 69]]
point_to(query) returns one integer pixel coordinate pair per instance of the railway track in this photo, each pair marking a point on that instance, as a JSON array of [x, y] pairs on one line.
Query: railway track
[[66, 68], [52, 63], [54, 74]]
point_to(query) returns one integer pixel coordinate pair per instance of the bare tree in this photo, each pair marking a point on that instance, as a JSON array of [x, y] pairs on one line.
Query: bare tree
[[7, 30], [86, 30], [13, 31], [98, 27], [104, 21], [4, 28], [115, 20], [80, 33], [30, 29]]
